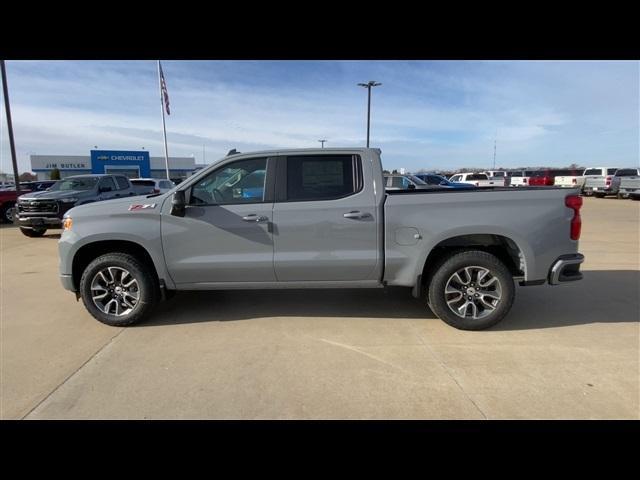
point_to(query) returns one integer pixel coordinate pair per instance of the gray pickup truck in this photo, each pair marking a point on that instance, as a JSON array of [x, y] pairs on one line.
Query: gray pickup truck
[[320, 218], [630, 187], [39, 211]]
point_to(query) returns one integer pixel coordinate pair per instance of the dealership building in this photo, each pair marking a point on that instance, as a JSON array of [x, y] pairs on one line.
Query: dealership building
[[133, 164]]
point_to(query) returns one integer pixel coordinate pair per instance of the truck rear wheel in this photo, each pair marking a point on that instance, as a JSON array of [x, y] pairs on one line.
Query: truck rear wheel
[[119, 290], [33, 232], [472, 290]]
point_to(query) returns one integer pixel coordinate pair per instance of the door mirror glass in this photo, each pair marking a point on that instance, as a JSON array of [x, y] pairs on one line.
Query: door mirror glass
[[178, 204], [411, 186]]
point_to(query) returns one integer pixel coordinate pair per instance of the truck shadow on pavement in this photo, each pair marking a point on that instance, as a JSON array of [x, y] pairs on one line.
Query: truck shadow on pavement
[[601, 297]]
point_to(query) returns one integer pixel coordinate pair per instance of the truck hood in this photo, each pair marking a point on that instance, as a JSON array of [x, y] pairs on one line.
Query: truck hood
[[119, 206], [56, 195]]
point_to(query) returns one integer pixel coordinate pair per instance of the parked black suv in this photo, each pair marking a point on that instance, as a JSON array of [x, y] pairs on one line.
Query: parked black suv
[[39, 211]]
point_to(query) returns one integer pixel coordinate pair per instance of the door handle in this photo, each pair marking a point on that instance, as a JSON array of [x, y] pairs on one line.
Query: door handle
[[255, 218], [355, 215]]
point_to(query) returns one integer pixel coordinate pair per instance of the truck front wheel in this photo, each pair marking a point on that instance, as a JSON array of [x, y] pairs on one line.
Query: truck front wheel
[[119, 290], [472, 290]]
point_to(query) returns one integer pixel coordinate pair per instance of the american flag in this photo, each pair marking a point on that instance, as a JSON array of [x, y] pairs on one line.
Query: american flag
[[165, 93]]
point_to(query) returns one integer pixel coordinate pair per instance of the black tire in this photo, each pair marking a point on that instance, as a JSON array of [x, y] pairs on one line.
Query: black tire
[[448, 267], [148, 288], [6, 213], [33, 232]]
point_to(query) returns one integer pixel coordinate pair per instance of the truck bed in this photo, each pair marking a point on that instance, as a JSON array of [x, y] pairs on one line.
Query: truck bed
[[534, 218]]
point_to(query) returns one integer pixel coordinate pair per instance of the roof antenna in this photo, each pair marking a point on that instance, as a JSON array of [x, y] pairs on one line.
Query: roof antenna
[[233, 151]]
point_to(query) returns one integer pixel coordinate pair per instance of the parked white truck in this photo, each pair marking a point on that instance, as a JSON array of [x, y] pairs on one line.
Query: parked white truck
[[578, 181], [476, 179], [320, 218]]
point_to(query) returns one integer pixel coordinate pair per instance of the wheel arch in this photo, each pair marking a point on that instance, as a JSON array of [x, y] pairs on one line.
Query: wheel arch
[[503, 247], [90, 251]]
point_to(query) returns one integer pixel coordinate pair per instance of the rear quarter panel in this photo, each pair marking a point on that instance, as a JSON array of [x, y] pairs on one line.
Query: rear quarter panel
[[537, 220]]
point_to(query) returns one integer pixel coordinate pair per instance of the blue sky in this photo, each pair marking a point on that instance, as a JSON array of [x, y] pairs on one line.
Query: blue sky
[[426, 115]]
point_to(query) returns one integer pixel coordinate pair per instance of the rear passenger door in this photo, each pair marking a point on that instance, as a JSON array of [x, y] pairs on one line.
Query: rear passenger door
[[325, 220]]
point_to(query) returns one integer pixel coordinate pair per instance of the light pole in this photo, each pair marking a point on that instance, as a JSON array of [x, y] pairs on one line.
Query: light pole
[[368, 86], [322, 142]]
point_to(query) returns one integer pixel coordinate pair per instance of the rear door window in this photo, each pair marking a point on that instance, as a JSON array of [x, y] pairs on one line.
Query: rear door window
[[122, 182], [108, 184], [323, 177]]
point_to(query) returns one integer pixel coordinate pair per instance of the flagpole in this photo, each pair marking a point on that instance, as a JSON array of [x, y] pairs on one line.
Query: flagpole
[[12, 145], [164, 127]]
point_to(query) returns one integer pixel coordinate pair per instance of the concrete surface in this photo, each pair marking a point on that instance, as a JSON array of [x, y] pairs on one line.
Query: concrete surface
[[570, 351]]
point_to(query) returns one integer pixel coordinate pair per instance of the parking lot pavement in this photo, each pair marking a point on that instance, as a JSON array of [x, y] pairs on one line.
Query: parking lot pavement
[[570, 351]]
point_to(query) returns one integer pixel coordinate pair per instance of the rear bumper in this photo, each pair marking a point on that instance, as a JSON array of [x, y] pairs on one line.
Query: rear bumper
[[566, 269]]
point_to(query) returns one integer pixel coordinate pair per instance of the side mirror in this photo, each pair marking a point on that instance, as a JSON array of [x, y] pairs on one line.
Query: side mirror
[[412, 186], [178, 204], [443, 182]]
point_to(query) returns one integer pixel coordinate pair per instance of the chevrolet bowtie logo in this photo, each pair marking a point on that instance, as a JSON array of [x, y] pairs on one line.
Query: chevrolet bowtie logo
[[103, 157]]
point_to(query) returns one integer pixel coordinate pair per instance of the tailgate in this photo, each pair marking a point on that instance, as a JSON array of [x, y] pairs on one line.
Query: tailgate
[[595, 183]]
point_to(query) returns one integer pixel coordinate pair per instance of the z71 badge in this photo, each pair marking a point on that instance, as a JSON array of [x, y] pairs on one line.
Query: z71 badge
[[142, 206]]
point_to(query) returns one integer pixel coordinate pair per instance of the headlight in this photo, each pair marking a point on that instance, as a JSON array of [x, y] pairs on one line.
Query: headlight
[[67, 223], [69, 200]]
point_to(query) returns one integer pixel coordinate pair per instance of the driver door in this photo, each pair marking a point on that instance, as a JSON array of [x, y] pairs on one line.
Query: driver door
[[226, 233]]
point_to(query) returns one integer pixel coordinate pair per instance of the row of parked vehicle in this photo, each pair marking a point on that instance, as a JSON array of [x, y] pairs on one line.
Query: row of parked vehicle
[[42, 204], [598, 181]]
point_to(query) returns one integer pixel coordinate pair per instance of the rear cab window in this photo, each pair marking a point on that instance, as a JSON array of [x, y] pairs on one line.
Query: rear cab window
[[477, 176], [626, 172], [593, 171]]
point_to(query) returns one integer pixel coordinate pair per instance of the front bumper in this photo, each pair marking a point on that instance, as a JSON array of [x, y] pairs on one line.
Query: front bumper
[[35, 221], [566, 269], [67, 282]]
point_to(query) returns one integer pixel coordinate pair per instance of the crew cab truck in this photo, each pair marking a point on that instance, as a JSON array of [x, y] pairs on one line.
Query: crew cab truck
[[320, 218], [39, 211]]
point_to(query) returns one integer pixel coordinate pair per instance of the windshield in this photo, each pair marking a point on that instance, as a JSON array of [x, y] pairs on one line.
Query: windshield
[[79, 183], [416, 180]]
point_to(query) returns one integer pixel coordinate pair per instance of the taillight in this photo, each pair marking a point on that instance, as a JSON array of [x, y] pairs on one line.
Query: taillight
[[155, 190], [524, 180], [477, 184], [608, 181], [574, 202], [575, 180]]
